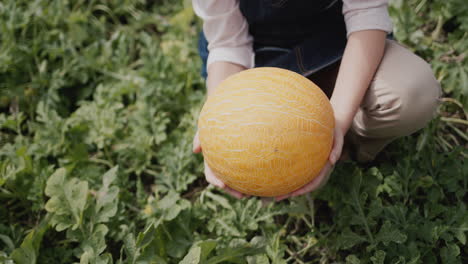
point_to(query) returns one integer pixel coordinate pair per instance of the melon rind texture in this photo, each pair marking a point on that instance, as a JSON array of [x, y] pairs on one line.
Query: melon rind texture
[[266, 131]]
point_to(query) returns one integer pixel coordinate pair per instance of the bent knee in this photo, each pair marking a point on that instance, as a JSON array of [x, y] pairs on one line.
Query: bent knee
[[420, 96], [404, 95]]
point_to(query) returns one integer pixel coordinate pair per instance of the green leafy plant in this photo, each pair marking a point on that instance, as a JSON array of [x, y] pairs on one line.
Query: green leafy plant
[[98, 107]]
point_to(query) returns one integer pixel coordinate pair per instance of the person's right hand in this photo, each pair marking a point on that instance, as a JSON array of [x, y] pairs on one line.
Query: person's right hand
[[209, 174]]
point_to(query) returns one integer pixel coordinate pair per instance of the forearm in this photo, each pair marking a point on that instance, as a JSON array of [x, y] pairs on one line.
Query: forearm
[[361, 58], [218, 71]]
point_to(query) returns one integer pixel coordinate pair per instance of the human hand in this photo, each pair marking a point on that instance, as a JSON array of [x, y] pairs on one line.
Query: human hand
[[209, 174], [323, 176], [217, 72]]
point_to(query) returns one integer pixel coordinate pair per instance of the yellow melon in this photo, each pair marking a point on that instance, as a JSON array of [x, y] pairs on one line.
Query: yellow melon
[[266, 131]]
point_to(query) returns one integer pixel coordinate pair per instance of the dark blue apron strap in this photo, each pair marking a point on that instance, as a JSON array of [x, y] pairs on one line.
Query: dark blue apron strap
[[203, 52]]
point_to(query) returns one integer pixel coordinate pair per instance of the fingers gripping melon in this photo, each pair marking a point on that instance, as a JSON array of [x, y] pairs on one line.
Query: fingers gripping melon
[[266, 131]]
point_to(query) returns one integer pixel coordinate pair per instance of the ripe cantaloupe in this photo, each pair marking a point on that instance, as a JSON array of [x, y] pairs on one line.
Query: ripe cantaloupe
[[266, 131]]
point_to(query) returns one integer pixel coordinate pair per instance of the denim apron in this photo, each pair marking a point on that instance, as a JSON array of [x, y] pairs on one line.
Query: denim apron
[[303, 36]]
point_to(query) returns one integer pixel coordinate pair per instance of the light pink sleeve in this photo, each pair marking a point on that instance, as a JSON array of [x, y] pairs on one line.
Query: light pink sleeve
[[226, 30], [366, 14]]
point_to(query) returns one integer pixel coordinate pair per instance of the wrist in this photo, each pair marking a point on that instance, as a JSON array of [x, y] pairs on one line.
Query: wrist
[[343, 122], [218, 71]]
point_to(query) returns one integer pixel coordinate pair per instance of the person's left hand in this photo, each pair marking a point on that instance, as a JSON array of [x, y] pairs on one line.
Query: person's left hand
[[322, 178]]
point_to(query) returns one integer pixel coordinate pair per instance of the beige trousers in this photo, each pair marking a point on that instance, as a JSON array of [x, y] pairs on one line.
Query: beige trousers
[[401, 99]]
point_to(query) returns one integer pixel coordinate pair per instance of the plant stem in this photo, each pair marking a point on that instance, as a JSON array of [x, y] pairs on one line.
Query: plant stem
[[454, 120], [293, 255], [312, 209], [101, 161], [361, 214]]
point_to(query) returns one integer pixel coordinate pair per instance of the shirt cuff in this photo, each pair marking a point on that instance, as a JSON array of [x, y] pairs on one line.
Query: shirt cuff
[[374, 18], [239, 55]]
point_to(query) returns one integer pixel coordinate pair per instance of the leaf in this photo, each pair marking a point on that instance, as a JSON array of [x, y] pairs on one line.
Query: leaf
[[67, 200], [206, 247], [389, 233], [258, 259], [459, 232], [352, 259], [220, 200], [61, 222], [168, 201], [460, 235], [349, 239], [183, 18], [107, 197], [55, 182], [130, 247], [94, 246], [109, 177], [106, 204], [7, 241], [148, 247], [28, 252], [379, 257], [87, 256], [450, 253], [144, 238], [275, 249], [170, 206], [235, 254], [193, 256], [76, 192], [154, 250], [181, 205], [227, 227]]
